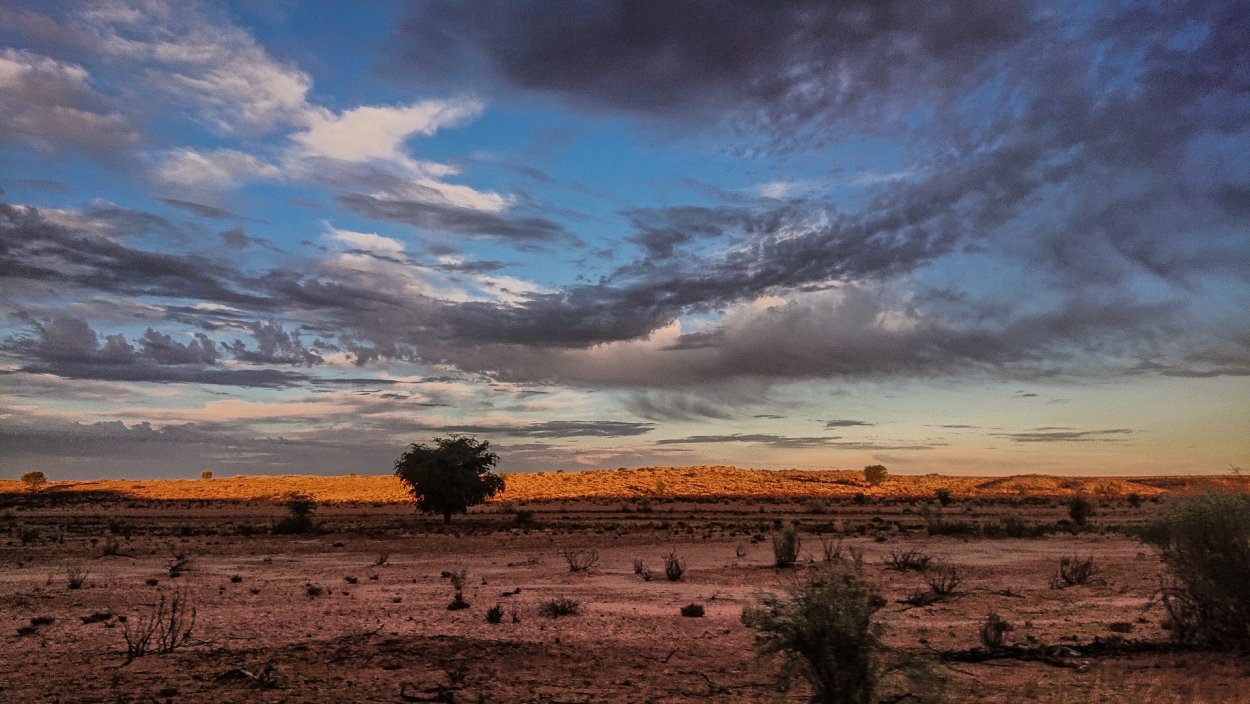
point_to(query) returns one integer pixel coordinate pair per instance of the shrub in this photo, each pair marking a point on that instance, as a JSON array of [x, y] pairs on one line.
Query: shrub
[[1134, 500], [1014, 526], [674, 566], [786, 546], [381, 559], [1080, 509], [495, 614], [458, 579], [692, 611], [75, 576], [1206, 547], [944, 579], [823, 628], [580, 560], [641, 569], [206, 475], [301, 507], [163, 629], [874, 474], [562, 606], [943, 496], [903, 560], [1073, 571], [831, 549], [28, 534], [994, 631]]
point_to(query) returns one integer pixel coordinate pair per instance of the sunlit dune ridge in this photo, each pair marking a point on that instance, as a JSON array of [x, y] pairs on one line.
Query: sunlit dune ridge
[[655, 482]]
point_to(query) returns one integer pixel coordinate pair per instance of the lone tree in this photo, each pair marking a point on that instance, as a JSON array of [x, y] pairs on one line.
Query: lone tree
[[34, 481], [874, 474], [449, 476]]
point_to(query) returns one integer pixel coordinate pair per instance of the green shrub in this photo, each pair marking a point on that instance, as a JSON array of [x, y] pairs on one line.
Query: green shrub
[[1206, 547], [301, 507], [823, 628], [786, 546]]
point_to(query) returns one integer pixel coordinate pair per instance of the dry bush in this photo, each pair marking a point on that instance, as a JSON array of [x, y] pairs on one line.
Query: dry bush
[[1073, 571], [944, 579], [562, 606], [580, 560], [823, 629], [994, 631], [1206, 547], [641, 569], [692, 611], [75, 576], [494, 614], [786, 546], [674, 566], [903, 560], [164, 629]]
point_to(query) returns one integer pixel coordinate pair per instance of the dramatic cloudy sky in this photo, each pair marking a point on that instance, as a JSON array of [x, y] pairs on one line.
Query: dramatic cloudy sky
[[978, 237]]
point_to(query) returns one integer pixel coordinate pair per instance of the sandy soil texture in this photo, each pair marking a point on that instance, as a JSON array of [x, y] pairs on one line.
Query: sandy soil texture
[[358, 611]]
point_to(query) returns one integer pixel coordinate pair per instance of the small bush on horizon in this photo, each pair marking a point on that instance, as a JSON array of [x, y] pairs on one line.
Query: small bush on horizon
[[943, 496], [34, 481], [301, 507], [874, 474]]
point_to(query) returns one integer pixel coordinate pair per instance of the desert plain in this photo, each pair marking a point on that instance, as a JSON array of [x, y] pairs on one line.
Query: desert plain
[[356, 610]]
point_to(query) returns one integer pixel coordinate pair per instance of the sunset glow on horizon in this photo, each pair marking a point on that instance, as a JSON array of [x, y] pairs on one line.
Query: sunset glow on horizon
[[284, 238]]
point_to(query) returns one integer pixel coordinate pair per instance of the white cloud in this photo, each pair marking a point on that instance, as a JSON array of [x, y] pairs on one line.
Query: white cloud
[[214, 66], [215, 169], [366, 133], [367, 240]]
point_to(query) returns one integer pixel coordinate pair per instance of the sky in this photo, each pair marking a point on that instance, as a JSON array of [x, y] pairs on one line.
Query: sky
[[976, 237]]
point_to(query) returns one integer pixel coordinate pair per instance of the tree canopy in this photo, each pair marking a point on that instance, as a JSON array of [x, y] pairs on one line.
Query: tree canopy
[[450, 475]]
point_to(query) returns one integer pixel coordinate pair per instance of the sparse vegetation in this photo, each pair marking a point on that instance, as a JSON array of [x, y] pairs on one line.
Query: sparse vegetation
[[580, 560], [692, 611], [1072, 572], [1206, 547], [786, 545], [75, 577], [206, 475], [943, 497], [458, 579], [823, 629], [494, 614], [641, 569], [562, 606], [994, 632], [164, 629], [674, 566], [944, 579], [903, 560]]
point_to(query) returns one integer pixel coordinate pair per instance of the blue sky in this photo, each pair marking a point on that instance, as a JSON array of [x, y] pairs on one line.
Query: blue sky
[[988, 238]]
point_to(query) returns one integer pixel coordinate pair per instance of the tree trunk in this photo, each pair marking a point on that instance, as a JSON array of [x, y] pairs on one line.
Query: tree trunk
[[446, 517]]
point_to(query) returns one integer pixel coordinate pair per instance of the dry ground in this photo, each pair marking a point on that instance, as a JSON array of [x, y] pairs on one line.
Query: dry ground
[[388, 637]]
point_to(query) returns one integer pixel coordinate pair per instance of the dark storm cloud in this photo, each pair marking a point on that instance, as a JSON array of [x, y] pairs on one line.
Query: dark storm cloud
[[68, 347], [776, 64], [444, 217], [274, 345], [1068, 435], [34, 249]]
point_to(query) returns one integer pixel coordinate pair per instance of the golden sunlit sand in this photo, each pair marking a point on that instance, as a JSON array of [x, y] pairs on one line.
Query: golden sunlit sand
[[670, 482]]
